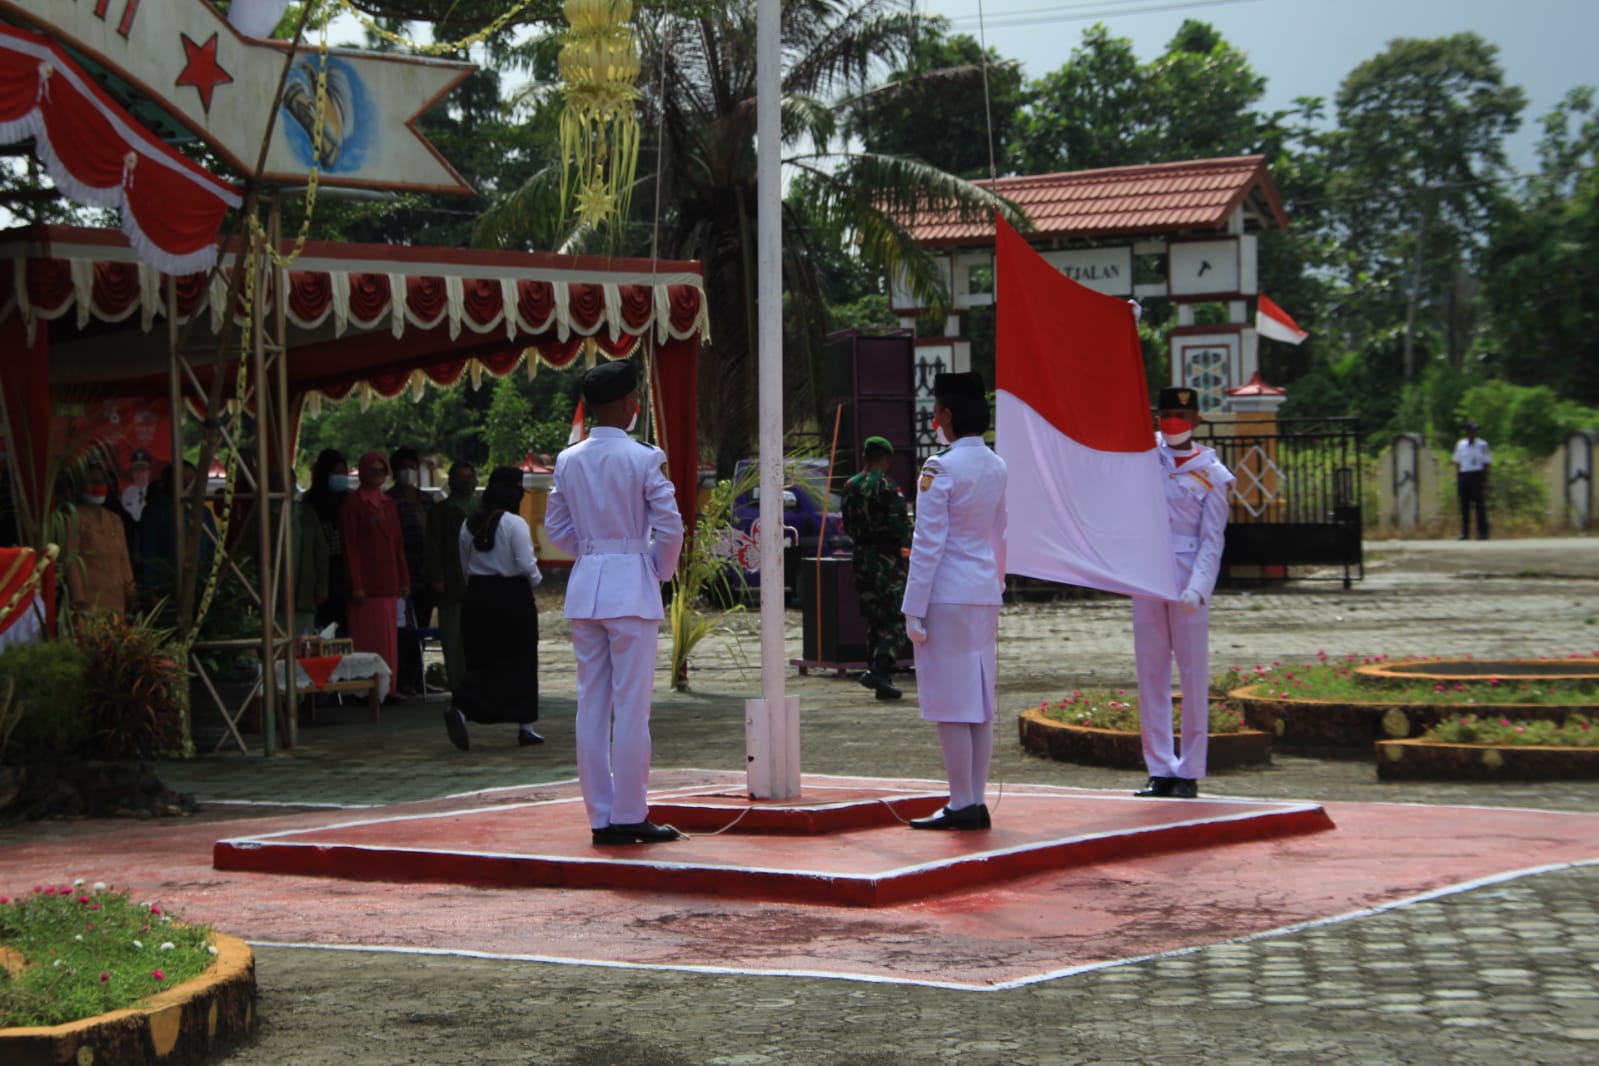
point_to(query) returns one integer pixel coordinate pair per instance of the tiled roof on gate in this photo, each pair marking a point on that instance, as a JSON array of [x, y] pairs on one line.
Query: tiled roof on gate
[[1159, 198]]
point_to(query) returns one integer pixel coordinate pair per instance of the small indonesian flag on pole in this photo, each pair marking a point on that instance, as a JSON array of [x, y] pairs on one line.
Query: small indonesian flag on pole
[[577, 433], [1272, 321]]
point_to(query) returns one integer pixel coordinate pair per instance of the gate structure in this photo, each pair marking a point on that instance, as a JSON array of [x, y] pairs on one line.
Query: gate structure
[[1297, 500]]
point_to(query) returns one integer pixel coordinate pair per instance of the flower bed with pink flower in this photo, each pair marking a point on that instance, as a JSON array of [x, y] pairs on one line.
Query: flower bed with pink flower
[[77, 950], [1100, 727], [1340, 706]]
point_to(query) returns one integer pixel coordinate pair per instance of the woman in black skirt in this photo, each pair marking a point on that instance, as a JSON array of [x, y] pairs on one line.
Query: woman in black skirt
[[499, 620]]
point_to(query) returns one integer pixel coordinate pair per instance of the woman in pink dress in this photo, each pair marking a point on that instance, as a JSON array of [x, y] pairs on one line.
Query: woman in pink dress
[[374, 556]]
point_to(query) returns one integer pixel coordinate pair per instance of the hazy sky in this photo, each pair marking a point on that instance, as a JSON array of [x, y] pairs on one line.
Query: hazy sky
[[1307, 47]]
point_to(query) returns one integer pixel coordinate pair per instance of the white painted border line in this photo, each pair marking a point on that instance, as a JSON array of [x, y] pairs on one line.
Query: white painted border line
[[958, 986]]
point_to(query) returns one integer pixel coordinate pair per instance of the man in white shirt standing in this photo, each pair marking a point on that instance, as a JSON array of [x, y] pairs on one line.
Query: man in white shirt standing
[[1472, 460], [615, 511], [133, 497]]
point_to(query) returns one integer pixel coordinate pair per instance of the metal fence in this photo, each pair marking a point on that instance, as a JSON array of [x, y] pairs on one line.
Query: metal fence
[[1296, 502]]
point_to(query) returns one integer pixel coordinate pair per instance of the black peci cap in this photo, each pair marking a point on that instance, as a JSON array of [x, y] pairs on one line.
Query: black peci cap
[[1178, 399], [968, 384], [609, 381]]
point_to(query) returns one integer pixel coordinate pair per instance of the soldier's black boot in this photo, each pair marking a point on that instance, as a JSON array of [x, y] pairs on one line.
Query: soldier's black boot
[[881, 685]]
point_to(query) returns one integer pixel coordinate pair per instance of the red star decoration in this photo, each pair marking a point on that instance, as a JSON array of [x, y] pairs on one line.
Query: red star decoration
[[201, 69]]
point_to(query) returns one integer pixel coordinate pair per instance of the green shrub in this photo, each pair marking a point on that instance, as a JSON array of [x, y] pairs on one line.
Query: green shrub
[[137, 688], [49, 682]]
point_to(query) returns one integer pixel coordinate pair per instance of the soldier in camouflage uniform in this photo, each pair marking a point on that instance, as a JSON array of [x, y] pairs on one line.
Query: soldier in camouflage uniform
[[878, 521]]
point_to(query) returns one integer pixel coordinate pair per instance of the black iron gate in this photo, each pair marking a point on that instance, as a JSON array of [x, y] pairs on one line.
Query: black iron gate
[[1297, 499]]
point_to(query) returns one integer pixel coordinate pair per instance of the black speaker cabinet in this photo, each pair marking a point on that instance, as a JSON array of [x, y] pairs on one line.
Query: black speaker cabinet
[[872, 373], [834, 630]]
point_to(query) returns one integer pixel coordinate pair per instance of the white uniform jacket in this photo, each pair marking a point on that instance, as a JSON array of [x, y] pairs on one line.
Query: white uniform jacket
[[958, 549], [614, 509], [1197, 500]]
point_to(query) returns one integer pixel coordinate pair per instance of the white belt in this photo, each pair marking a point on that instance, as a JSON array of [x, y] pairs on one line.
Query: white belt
[[1185, 545], [619, 546]]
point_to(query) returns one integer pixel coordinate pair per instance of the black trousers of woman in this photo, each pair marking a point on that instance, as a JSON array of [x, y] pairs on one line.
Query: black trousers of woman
[[500, 628]]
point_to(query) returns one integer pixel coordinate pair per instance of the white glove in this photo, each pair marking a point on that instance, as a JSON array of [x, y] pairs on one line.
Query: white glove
[[1190, 601], [915, 630], [1138, 309], [536, 578]]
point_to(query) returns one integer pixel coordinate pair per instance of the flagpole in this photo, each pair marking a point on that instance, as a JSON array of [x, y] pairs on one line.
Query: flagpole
[[771, 723]]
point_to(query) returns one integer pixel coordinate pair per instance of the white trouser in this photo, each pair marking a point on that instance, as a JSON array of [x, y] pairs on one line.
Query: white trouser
[[1161, 630], [615, 673]]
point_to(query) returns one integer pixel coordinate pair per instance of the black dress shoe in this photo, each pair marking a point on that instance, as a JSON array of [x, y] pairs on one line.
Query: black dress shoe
[[393, 698], [982, 811], [455, 725], [973, 817], [880, 684], [1157, 786], [636, 833], [1185, 788], [525, 737]]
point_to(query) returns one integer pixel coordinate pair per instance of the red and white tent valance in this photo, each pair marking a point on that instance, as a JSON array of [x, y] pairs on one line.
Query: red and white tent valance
[[364, 318], [170, 206]]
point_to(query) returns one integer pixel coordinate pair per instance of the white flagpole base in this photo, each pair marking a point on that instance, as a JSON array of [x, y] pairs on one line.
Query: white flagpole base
[[772, 748]]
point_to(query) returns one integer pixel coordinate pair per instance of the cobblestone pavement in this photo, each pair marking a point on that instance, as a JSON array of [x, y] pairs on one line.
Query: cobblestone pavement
[[1502, 973]]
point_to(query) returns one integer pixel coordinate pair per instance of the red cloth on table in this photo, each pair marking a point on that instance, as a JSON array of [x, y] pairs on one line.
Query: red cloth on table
[[320, 668]]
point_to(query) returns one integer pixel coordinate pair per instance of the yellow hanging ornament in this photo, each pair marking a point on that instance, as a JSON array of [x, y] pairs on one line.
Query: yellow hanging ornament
[[599, 130]]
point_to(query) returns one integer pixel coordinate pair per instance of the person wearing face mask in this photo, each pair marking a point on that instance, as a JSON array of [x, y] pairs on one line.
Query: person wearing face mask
[[1197, 491], [99, 569], [329, 487], [442, 566], [499, 617], [413, 506], [374, 562], [615, 511], [953, 594]]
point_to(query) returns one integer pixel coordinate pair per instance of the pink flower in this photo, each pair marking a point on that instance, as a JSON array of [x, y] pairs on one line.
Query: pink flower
[[105, 975], [1276, 662], [1504, 721], [1437, 688], [38, 888], [49, 891], [83, 899], [94, 906], [1521, 729], [1493, 681], [159, 975], [5, 900]]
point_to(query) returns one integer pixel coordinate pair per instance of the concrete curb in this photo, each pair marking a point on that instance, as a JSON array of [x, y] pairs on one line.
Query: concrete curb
[[189, 1023]]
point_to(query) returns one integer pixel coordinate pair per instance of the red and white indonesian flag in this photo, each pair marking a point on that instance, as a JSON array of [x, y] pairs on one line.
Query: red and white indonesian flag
[[1272, 321], [577, 432], [1086, 499]]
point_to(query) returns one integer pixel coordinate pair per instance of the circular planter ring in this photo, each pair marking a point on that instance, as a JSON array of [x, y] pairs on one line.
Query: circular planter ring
[[1121, 750], [1447, 670], [187, 1023], [1342, 729], [1426, 760]]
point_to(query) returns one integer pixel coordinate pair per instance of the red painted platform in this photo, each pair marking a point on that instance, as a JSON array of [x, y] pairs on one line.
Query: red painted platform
[[863, 862], [1382, 856]]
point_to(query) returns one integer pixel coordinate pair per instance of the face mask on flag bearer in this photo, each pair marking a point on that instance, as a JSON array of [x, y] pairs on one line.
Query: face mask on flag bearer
[[1176, 431]]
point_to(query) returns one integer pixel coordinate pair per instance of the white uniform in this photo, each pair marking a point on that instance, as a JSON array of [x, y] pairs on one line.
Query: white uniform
[[615, 510], [957, 580], [1196, 504]]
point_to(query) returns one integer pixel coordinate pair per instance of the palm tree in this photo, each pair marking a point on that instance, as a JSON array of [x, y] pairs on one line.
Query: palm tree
[[698, 118]]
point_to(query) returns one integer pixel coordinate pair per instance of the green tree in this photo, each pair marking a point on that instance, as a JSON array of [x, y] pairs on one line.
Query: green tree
[[1419, 155], [506, 430], [932, 108], [1541, 267], [698, 83]]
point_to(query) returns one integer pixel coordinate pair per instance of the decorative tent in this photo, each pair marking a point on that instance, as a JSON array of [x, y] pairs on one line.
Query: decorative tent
[[170, 206], [83, 305]]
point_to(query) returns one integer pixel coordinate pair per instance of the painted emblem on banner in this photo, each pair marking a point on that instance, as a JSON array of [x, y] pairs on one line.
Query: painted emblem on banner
[[348, 117], [183, 57]]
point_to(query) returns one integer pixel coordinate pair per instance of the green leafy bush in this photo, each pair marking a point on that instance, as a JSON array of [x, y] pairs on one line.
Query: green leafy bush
[[49, 685], [136, 687]]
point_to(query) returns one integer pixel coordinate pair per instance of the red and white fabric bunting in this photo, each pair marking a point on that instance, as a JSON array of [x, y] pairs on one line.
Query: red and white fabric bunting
[[1273, 322], [170, 206]]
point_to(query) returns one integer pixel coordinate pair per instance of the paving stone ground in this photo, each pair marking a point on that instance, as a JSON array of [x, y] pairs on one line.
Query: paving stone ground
[[1505, 973]]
